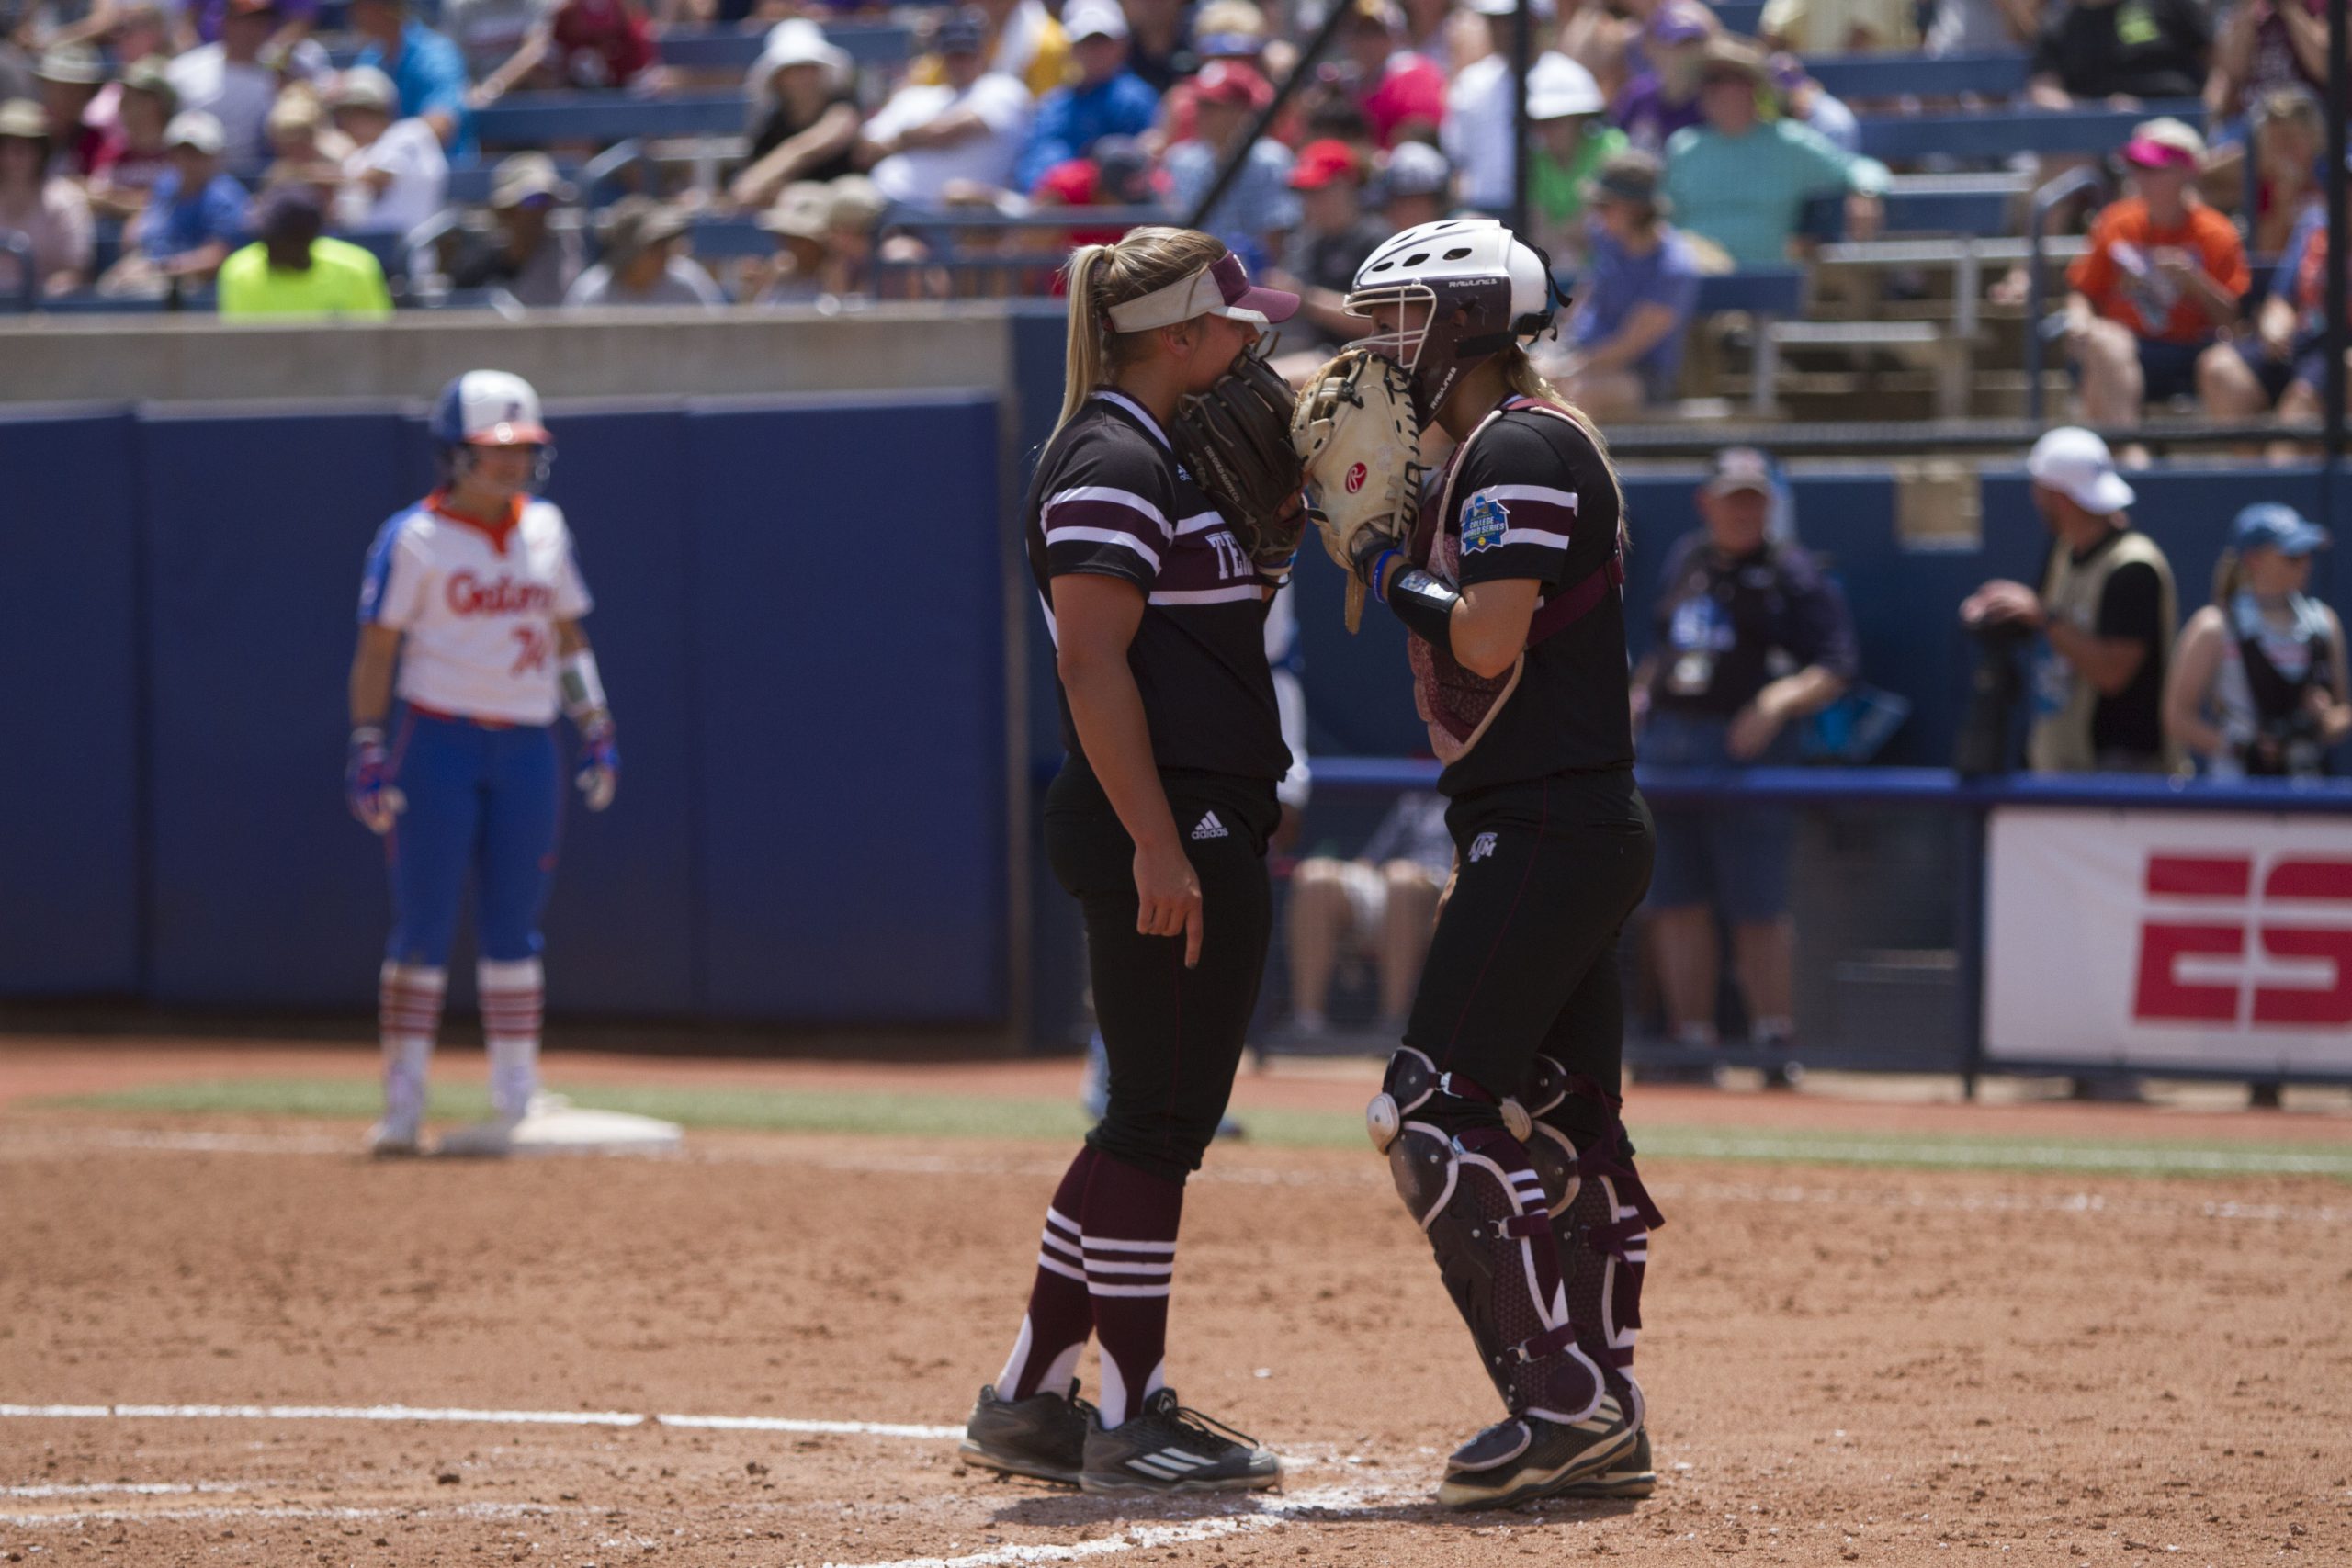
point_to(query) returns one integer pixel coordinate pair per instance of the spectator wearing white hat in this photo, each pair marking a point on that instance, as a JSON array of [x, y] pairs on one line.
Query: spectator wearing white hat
[[228, 80], [960, 139], [2105, 616], [1105, 99], [397, 175], [1568, 143], [69, 77], [49, 210], [194, 217], [804, 112]]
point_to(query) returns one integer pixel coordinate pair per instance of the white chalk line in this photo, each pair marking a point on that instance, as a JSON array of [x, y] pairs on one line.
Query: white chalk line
[[1267, 1510], [79, 1516], [486, 1417], [126, 1488], [784, 1152]]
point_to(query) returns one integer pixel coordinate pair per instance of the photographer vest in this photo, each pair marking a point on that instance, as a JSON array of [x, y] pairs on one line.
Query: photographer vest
[[2065, 705]]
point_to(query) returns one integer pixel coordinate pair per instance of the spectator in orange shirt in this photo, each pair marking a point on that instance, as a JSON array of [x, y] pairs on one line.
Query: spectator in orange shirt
[[2164, 274]]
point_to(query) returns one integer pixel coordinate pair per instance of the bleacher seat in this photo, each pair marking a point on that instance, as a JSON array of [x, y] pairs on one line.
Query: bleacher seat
[[872, 45], [1901, 137], [1863, 77], [1742, 17], [546, 119], [718, 237]]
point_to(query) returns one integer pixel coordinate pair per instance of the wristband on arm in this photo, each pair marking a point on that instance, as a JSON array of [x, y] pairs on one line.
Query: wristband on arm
[[1425, 603], [583, 690]]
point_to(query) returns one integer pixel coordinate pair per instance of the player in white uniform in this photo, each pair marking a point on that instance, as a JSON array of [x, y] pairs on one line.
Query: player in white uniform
[[474, 595]]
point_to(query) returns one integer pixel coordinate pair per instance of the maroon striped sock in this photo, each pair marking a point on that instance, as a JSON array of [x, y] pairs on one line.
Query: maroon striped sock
[[1060, 1316], [1130, 1222]]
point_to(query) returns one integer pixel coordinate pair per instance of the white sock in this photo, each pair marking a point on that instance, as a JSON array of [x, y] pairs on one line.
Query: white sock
[[512, 999], [408, 1016]]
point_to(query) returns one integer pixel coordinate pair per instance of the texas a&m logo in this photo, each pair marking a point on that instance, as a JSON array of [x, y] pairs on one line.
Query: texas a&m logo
[[2212, 916]]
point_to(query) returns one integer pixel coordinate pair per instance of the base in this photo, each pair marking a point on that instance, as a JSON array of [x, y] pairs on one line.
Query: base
[[554, 1126]]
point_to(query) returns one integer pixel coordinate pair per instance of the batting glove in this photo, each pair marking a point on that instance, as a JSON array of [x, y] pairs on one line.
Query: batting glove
[[600, 762], [367, 781]]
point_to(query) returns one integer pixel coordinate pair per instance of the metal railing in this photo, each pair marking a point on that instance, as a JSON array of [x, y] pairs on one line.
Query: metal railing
[[2072, 183]]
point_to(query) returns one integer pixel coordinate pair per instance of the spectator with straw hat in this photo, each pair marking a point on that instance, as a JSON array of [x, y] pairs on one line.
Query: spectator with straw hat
[[48, 210], [645, 261], [526, 257], [805, 115]]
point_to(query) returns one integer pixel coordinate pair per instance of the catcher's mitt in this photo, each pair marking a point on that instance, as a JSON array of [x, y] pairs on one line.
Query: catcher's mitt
[[1234, 439], [1356, 432]]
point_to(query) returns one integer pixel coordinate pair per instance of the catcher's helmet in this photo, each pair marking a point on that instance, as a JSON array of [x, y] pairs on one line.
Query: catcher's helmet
[[489, 407], [1501, 285]]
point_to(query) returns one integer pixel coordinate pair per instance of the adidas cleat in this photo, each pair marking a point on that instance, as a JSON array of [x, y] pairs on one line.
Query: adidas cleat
[[1630, 1477], [1043, 1436], [1165, 1447], [1528, 1457]]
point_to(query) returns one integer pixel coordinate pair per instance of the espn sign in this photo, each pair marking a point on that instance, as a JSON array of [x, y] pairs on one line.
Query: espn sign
[[2157, 938], [2224, 919]]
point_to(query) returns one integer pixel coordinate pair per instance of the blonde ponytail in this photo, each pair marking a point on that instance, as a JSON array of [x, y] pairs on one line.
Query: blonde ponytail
[[1100, 277], [1519, 372], [2229, 576], [1083, 357]]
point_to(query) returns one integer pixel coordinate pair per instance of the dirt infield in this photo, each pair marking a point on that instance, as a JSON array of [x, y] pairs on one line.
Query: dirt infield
[[1844, 1365]]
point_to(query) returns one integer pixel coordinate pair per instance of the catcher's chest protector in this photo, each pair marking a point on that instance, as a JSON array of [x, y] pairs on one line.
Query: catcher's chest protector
[[1455, 704]]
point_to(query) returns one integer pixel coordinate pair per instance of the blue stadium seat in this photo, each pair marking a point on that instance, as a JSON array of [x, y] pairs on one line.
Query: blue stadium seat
[[544, 119], [2014, 130], [725, 48], [718, 237], [389, 247], [1742, 17], [1916, 212], [1867, 76], [1763, 291]]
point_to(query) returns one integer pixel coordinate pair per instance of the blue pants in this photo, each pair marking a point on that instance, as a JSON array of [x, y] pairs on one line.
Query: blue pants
[[481, 799], [1732, 858]]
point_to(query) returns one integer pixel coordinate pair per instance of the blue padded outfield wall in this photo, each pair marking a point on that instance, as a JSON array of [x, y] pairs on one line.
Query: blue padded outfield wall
[[806, 662]]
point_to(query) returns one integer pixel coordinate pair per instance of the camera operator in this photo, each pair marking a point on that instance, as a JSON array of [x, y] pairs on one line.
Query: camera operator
[[2104, 615], [2260, 687]]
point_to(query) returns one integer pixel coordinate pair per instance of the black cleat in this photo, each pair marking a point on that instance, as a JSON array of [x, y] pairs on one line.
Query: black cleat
[[1630, 1476], [1528, 1457], [1043, 1436], [1165, 1447]]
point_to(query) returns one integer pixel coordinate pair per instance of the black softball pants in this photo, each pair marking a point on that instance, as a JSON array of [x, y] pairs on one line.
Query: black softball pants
[[1524, 961], [1173, 1035]]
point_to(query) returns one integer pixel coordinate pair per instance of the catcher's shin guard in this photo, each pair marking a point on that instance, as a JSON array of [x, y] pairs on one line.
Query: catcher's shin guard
[[1601, 1215], [1474, 1190]]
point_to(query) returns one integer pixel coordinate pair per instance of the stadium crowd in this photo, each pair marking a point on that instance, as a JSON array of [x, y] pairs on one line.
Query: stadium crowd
[[331, 150]]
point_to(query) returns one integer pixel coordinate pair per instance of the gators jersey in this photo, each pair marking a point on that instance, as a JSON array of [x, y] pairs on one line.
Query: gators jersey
[[1111, 500], [477, 607]]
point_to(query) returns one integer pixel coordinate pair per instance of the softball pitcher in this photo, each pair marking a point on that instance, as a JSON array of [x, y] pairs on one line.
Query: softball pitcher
[[1500, 1115], [1158, 825], [473, 594]]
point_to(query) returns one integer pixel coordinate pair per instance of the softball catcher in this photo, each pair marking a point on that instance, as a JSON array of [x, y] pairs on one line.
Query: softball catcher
[[1500, 1115], [1162, 519], [474, 594]]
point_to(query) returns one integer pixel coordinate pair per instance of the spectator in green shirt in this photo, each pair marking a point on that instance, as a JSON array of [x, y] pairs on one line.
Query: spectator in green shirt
[[1742, 180], [292, 270]]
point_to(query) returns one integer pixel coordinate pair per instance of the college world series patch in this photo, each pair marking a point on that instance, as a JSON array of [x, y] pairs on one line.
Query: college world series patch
[[1483, 522]]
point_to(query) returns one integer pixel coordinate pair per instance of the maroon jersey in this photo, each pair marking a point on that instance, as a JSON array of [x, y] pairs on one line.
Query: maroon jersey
[[1111, 500]]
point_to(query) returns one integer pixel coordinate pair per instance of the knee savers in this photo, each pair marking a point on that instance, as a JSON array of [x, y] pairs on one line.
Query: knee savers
[[1473, 1190], [1601, 1213]]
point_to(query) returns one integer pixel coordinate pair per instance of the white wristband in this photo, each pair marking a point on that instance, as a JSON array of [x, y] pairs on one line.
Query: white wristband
[[583, 691]]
